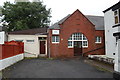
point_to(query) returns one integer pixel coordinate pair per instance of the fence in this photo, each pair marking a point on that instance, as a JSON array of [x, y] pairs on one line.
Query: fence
[[10, 53], [10, 49]]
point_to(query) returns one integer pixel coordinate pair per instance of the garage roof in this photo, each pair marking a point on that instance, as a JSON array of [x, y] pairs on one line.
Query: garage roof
[[35, 31]]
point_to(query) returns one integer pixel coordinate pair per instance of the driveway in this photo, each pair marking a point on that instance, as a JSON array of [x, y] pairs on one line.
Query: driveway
[[43, 68]]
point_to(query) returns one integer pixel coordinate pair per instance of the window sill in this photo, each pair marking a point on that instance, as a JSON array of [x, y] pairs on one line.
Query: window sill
[[98, 42], [73, 47], [55, 42], [70, 47], [85, 47]]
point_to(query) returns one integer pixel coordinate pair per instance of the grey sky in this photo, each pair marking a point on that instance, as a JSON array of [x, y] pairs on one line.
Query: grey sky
[[61, 8]]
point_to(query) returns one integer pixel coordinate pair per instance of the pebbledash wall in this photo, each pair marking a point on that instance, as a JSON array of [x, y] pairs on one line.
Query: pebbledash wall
[[75, 23]]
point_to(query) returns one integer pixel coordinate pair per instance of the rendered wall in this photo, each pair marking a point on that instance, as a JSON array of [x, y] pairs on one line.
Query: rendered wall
[[10, 60], [110, 40], [119, 55], [31, 49]]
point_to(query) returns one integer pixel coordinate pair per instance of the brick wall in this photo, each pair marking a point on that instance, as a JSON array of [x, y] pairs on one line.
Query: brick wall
[[76, 23]]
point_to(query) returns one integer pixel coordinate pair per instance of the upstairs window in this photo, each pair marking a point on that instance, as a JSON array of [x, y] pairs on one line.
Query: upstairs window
[[98, 39], [117, 16], [55, 39]]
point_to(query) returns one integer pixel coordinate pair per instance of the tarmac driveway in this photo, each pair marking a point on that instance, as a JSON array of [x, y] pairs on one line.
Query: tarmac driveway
[[43, 68]]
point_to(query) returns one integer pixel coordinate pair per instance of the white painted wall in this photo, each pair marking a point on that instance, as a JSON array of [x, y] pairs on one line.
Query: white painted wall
[[110, 40], [9, 61], [2, 37], [117, 58], [119, 54], [33, 48]]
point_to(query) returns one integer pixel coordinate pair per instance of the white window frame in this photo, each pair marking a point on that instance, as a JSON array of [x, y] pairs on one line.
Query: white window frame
[[73, 40], [56, 39], [117, 15], [96, 39]]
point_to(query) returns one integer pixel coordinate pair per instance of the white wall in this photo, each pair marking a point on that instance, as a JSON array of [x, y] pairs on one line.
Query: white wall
[[2, 37], [33, 48], [9, 61], [119, 55], [110, 40], [117, 58]]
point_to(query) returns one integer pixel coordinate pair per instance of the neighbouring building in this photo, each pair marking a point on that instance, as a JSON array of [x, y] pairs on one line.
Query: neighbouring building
[[77, 34], [35, 41], [3, 35], [112, 35]]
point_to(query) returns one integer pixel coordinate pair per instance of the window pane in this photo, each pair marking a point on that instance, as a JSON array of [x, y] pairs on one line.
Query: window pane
[[84, 38], [30, 40], [116, 19], [98, 39], [69, 43], [70, 38], [53, 38], [19, 40], [57, 38], [85, 43]]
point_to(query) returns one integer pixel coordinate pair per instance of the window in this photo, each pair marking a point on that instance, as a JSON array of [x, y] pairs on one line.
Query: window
[[19, 40], [84, 38], [85, 43], [55, 39], [30, 40], [77, 37], [117, 16], [98, 39], [117, 38], [70, 43]]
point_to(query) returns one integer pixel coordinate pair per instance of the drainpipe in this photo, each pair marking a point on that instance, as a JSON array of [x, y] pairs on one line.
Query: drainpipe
[[49, 43]]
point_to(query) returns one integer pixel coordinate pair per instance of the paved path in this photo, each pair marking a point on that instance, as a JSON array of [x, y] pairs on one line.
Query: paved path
[[37, 68]]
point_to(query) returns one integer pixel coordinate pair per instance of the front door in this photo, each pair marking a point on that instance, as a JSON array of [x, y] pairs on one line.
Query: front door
[[42, 47], [77, 48]]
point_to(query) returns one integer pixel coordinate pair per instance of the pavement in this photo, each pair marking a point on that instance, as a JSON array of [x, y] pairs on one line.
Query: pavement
[[101, 65], [58, 68], [0, 75]]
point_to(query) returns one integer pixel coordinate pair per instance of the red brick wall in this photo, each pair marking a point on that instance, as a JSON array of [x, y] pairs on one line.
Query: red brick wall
[[76, 23], [98, 45]]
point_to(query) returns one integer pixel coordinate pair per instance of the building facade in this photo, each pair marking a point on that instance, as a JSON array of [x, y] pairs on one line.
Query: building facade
[[76, 34], [112, 35], [35, 41]]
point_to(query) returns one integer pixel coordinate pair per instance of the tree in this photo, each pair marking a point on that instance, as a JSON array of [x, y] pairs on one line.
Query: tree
[[25, 15]]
